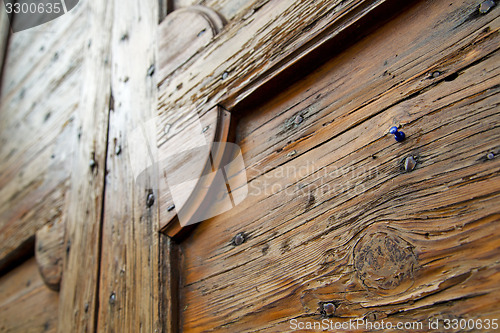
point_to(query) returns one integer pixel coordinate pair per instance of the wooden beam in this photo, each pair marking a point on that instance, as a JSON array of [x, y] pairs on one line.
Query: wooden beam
[[79, 289], [129, 278]]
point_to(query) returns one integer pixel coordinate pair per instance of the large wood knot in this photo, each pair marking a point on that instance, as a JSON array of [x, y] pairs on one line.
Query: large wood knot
[[385, 263]]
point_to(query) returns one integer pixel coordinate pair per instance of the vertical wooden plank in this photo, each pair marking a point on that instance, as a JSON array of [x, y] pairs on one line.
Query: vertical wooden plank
[[170, 268], [4, 36], [78, 296], [128, 295]]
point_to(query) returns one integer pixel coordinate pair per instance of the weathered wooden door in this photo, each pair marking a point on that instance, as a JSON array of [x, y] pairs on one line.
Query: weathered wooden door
[[342, 223]]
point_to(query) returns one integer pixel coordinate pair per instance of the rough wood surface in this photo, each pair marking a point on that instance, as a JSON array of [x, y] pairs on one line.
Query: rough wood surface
[[79, 288], [230, 9], [41, 78], [180, 42], [129, 294], [327, 184], [4, 36], [245, 56], [49, 253], [26, 304]]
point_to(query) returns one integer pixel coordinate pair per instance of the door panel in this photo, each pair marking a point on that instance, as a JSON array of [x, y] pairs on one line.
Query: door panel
[[336, 214]]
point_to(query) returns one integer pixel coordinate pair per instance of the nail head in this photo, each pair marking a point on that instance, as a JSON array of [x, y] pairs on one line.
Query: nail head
[[490, 156], [410, 163], [298, 119], [150, 200], [239, 239], [170, 208], [329, 309], [485, 6]]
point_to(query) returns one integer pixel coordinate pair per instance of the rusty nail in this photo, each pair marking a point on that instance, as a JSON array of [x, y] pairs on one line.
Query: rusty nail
[[225, 75], [112, 298], [410, 163], [329, 309], [490, 156], [150, 200], [170, 208], [151, 70], [298, 119], [485, 6], [239, 239]]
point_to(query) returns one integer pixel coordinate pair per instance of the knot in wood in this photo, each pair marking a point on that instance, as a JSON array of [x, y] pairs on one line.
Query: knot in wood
[[385, 262]]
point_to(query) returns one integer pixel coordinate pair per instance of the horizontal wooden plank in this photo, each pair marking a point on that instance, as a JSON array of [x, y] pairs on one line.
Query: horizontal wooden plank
[[434, 71], [26, 304]]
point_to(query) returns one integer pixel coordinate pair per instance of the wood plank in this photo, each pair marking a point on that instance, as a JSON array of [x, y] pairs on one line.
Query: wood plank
[[4, 37], [307, 212], [226, 71], [79, 288], [36, 129], [129, 279], [26, 304]]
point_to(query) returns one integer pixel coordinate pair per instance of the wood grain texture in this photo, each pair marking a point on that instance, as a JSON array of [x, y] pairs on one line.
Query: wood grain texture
[[49, 253], [129, 277], [230, 9], [227, 70], [23, 292], [327, 182], [42, 75], [4, 36], [79, 288]]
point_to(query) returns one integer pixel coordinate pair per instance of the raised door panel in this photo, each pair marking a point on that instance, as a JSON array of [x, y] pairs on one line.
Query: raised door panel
[[341, 220]]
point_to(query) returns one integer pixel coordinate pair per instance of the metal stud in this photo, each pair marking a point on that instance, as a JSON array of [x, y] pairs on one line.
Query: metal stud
[[239, 239], [150, 200], [485, 6], [410, 163], [298, 119], [329, 309]]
